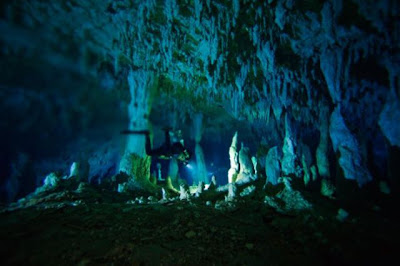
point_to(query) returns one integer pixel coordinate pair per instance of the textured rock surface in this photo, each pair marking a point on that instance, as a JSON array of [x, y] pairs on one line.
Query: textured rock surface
[[246, 165], [147, 233], [76, 68], [389, 119], [346, 145], [310, 87], [234, 160], [272, 166], [288, 150]]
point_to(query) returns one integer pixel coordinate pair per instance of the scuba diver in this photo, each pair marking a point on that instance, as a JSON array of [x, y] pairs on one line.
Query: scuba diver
[[166, 151]]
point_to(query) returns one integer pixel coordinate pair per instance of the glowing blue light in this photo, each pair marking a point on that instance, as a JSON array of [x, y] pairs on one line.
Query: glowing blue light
[[189, 166]]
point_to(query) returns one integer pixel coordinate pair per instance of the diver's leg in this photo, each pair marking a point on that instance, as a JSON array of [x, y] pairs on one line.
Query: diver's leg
[[167, 138], [153, 152], [149, 150], [128, 132]]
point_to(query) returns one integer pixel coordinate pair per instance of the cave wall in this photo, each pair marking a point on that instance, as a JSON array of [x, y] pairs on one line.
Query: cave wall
[[330, 68]]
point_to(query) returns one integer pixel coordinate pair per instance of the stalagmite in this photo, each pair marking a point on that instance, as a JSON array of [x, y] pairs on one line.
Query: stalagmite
[[74, 170], [306, 161], [322, 150], [246, 166], [184, 193], [164, 194], [140, 86], [213, 184], [327, 188], [255, 164], [234, 160], [232, 192], [52, 180], [200, 189], [306, 171], [80, 171], [288, 149], [347, 146], [159, 173], [200, 161], [272, 166], [313, 171]]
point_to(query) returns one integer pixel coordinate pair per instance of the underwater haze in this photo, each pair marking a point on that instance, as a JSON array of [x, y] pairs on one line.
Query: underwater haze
[[199, 132]]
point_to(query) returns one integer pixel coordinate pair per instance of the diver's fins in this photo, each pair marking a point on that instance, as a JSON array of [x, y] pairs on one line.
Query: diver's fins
[[127, 132]]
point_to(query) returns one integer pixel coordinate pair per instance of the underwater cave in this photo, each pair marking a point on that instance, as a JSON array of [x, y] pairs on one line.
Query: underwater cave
[[199, 132]]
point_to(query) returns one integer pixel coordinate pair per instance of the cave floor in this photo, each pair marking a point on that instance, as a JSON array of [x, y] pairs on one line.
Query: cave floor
[[189, 233]]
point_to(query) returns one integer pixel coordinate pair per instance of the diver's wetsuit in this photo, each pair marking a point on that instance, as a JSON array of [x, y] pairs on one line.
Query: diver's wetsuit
[[165, 151]]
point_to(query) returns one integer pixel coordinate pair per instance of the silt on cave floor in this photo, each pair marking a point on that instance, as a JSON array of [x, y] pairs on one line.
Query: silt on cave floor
[[93, 226]]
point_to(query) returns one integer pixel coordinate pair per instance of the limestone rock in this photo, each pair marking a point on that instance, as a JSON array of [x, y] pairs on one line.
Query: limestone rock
[[232, 192], [173, 170], [327, 188], [200, 189], [164, 194], [246, 165], [213, 184], [83, 186], [80, 171], [288, 149], [184, 193], [272, 166], [389, 119], [123, 187], [313, 171], [322, 149], [288, 200], [52, 180], [234, 160], [248, 191], [306, 171], [347, 145], [342, 215], [201, 165], [255, 163], [384, 187]]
